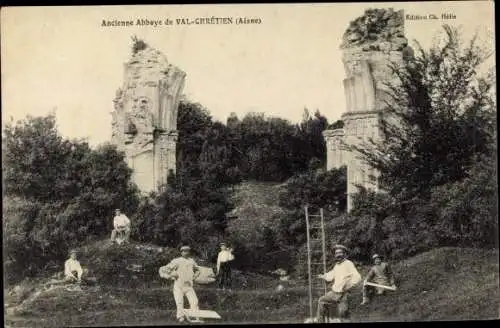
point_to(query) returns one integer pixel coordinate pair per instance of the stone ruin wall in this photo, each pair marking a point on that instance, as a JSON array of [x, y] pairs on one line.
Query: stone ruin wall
[[370, 44], [144, 120]]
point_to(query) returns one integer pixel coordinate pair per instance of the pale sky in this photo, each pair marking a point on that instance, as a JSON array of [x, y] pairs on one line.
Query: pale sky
[[61, 57]]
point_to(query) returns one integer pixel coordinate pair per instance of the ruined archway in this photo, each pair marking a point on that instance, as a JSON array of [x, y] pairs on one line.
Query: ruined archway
[[145, 116]]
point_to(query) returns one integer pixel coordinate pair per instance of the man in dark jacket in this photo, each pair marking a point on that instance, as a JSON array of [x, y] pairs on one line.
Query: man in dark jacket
[[381, 274]]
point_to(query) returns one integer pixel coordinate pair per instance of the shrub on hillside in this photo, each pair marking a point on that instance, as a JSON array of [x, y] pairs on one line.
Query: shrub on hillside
[[467, 210], [128, 264], [376, 224], [462, 213], [256, 245], [316, 190]]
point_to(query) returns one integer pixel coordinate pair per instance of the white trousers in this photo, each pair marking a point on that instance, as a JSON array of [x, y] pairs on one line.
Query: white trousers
[[179, 293]]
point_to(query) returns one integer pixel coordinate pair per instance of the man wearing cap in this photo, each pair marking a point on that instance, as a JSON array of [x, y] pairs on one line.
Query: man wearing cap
[[224, 267], [72, 269], [381, 274], [183, 270], [344, 276], [121, 224]]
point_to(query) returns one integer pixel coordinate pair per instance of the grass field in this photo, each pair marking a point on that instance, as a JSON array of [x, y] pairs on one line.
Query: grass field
[[444, 284]]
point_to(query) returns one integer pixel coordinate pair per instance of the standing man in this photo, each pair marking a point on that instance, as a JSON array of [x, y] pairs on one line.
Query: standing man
[[224, 266], [183, 270], [381, 274], [344, 276], [72, 269], [121, 224]]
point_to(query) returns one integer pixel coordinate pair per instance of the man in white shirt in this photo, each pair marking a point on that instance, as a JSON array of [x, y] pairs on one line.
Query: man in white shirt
[[121, 225], [183, 270], [72, 269], [344, 276], [224, 266]]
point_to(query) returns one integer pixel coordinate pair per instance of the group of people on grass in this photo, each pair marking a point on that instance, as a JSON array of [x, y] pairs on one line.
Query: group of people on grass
[[184, 271], [73, 271]]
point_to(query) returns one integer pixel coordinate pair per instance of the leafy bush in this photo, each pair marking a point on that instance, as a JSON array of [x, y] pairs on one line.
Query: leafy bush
[[467, 210], [316, 190], [138, 45]]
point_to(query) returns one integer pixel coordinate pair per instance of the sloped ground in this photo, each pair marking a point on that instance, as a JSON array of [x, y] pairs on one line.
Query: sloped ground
[[444, 284], [256, 201]]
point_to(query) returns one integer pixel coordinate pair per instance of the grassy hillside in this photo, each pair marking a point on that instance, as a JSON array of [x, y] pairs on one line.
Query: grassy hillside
[[444, 284], [256, 202]]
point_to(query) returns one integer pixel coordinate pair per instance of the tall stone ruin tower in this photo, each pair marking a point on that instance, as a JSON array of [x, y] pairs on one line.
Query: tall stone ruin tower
[[144, 120], [370, 44]]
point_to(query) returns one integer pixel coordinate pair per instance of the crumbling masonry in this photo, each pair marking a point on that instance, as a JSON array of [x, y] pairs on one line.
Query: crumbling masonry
[[369, 45], [144, 121]]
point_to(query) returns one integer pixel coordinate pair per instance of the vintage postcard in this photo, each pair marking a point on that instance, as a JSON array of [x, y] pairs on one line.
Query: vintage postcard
[[257, 163]]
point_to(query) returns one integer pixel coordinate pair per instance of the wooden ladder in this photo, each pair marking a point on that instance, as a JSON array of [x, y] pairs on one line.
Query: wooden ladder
[[316, 256]]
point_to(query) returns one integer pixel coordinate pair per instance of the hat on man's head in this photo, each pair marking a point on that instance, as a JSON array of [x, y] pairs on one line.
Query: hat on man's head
[[376, 256], [185, 248], [341, 247], [73, 251]]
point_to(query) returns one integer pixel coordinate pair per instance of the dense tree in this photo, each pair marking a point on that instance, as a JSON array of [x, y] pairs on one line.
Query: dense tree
[[310, 134], [33, 153], [436, 120], [273, 149], [316, 190], [467, 210]]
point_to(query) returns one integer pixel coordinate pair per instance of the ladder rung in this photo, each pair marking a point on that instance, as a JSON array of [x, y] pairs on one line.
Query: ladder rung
[[314, 215]]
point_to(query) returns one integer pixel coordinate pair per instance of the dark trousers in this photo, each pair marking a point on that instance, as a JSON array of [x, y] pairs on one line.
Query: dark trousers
[[225, 275], [339, 302], [370, 291]]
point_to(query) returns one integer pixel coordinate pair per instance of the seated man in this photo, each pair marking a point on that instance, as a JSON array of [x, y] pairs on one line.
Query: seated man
[[121, 224], [380, 274], [73, 271], [345, 276]]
